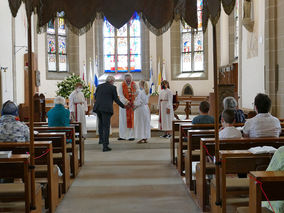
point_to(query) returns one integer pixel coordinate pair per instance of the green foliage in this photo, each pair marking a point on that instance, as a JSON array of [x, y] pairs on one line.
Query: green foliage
[[155, 93], [66, 87]]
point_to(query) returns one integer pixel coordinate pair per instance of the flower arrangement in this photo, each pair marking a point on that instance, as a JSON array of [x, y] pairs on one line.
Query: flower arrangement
[[67, 86]]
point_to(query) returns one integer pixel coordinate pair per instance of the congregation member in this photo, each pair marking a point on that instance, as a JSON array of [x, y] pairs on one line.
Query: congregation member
[[58, 115], [126, 92], [142, 116], [11, 129], [231, 103], [276, 164], [105, 95], [263, 124], [203, 117], [166, 111], [228, 130], [78, 107]]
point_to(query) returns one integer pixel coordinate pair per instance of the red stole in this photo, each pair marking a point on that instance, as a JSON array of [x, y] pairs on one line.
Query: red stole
[[130, 96]]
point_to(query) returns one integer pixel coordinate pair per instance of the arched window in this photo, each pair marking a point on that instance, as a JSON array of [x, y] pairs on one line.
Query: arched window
[[192, 50], [122, 47], [56, 45]]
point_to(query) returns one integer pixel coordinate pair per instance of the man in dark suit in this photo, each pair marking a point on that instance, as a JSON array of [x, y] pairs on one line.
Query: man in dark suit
[[105, 95]]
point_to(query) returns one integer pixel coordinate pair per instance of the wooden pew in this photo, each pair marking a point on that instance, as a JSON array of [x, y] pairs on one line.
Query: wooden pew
[[60, 155], [17, 166], [271, 181], [174, 139], [183, 128], [231, 161], [73, 149], [46, 173], [208, 144], [80, 141], [193, 143]]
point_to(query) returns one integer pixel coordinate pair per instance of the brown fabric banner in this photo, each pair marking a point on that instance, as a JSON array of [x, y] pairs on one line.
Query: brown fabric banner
[[157, 14]]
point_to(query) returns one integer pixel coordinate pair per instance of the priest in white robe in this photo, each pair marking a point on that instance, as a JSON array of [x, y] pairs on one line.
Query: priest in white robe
[[142, 116], [78, 107], [126, 92], [166, 111]]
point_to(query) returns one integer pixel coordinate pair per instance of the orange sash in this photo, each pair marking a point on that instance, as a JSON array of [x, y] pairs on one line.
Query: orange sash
[[130, 96]]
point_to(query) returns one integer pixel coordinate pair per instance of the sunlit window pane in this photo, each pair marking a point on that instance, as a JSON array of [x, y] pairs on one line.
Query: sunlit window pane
[[135, 63], [122, 61], [62, 63], [192, 46], [186, 62], [122, 47], [51, 62], [198, 61]]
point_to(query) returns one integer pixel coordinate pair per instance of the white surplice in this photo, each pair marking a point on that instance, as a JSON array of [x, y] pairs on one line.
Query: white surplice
[[78, 105], [165, 102], [124, 132], [142, 116]]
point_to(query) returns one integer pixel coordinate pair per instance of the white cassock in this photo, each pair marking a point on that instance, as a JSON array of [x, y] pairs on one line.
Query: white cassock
[[142, 116], [124, 132], [165, 102], [78, 105]]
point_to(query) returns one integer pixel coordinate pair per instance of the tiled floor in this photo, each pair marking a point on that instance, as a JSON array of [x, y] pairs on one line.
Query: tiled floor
[[128, 181]]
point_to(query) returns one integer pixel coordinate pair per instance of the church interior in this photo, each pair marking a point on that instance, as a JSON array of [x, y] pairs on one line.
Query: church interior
[[207, 50]]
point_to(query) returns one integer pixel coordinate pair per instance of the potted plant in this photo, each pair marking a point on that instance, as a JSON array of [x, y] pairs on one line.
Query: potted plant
[[67, 86]]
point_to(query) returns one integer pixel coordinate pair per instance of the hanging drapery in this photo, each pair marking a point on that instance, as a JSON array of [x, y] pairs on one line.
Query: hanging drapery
[[212, 9]]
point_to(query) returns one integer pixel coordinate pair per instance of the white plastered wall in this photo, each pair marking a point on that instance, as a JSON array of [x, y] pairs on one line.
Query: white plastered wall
[[253, 67], [6, 51]]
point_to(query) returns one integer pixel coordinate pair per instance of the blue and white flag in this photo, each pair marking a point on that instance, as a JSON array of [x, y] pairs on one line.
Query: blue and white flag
[[151, 82]]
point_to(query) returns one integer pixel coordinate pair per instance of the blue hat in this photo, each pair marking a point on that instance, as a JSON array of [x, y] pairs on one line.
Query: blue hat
[[9, 108]]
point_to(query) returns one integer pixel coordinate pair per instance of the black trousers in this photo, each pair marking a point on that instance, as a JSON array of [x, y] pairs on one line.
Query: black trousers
[[104, 126]]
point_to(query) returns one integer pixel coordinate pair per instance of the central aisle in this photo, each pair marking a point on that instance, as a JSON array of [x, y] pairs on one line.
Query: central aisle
[[128, 181]]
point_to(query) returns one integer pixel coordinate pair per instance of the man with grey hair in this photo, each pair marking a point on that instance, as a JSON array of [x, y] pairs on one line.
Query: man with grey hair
[[231, 103], [126, 92], [105, 95], [58, 115]]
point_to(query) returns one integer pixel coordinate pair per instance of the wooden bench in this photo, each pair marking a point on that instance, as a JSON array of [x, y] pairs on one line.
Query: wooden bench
[[17, 166], [174, 139], [71, 148], [230, 188], [271, 181], [208, 145], [183, 128], [45, 171], [60, 157], [80, 141], [193, 144]]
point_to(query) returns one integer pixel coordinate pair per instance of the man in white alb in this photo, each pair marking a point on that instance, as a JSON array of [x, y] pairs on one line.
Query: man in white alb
[[78, 107], [263, 124], [126, 92]]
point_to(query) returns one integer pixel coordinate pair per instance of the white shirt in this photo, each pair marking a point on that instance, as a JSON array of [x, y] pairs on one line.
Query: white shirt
[[230, 132], [262, 125]]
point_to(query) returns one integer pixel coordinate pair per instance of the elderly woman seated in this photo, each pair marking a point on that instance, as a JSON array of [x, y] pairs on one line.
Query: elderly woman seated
[[58, 116], [231, 103], [11, 129]]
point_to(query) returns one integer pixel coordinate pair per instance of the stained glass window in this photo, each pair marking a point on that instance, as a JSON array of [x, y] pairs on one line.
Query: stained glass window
[[192, 50], [236, 34], [56, 45], [122, 47]]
